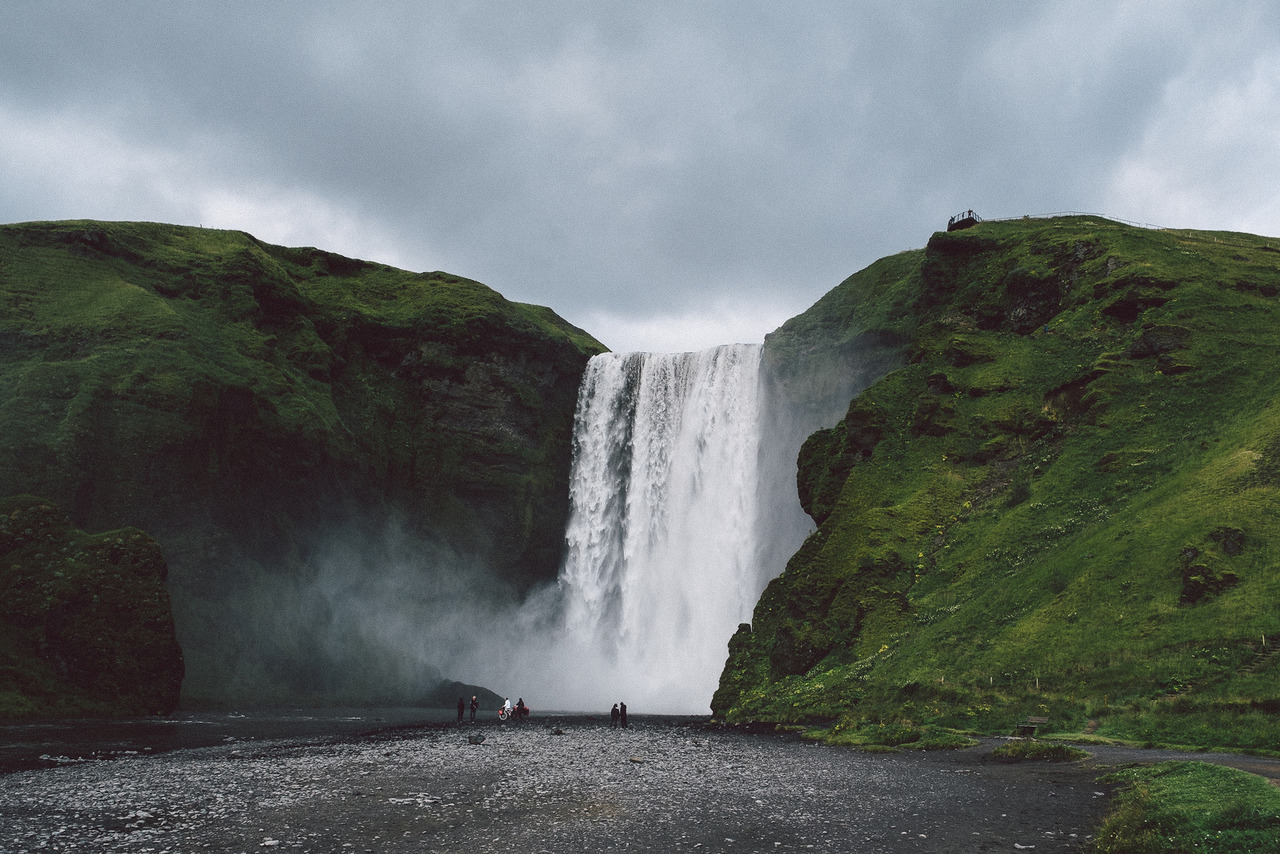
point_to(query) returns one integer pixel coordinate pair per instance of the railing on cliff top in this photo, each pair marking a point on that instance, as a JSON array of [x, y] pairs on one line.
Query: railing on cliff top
[[963, 220]]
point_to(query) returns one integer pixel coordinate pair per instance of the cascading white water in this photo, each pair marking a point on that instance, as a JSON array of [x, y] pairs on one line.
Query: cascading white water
[[662, 538], [682, 507]]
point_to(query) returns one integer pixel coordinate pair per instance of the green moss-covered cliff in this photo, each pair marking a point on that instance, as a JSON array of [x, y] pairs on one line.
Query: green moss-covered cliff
[[85, 622], [1063, 503], [238, 400]]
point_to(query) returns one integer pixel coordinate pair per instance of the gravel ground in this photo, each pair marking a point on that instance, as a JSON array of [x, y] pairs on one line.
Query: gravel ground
[[555, 785]]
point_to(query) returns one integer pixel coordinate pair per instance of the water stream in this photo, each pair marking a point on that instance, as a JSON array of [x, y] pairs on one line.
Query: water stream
[[661, 562], [683, 507]]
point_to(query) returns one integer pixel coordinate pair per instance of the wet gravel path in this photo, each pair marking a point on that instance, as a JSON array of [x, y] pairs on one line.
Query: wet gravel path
[[552, 785]]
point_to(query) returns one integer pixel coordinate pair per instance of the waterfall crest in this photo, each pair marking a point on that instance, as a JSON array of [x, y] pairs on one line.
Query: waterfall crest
[[661, 562]]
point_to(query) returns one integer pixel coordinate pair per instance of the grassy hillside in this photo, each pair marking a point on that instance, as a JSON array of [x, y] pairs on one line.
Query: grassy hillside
[[1063, 504], [236, 399]]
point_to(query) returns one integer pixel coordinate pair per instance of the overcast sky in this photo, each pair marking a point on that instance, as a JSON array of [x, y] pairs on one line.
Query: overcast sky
[[666, 175]]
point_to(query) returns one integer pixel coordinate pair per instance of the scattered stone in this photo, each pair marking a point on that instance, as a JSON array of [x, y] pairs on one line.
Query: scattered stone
[[535, 792]]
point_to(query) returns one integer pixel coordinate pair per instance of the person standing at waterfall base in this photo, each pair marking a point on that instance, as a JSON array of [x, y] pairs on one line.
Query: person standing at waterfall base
[[475, 704], [622, 715], [614, 714]]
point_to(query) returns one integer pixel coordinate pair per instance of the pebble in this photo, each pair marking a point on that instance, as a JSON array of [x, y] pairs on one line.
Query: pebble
[[572, 785]]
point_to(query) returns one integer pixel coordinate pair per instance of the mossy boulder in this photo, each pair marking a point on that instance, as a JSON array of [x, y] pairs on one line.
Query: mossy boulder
[[85, 622]]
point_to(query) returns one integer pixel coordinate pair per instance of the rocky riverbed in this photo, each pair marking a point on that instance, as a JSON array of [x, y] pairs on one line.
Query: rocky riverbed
[[555, 785]]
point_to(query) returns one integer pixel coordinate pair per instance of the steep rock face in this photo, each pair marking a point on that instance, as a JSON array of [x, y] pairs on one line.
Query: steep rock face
[[243, 402], [811, 366], [1062, 500], [858, 332], [85, 621]]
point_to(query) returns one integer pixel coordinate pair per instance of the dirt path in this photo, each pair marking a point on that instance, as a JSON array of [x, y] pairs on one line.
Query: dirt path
[[556, 786], [1104, 756]]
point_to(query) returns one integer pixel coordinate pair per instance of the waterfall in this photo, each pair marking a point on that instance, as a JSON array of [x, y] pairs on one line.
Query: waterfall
[[682, 508], [662, 541]]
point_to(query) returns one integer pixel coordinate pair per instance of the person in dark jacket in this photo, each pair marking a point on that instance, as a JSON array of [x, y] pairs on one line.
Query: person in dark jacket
[[622, 715], [614, 714]]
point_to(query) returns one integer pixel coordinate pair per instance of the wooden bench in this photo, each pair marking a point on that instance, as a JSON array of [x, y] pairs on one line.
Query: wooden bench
[[1027, 729]]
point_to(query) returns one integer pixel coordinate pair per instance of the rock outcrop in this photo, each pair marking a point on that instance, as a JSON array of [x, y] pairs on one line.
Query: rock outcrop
[[85, 622]]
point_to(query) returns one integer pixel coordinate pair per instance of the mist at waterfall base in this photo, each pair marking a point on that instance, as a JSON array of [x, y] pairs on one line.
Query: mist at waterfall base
[[683, 507]]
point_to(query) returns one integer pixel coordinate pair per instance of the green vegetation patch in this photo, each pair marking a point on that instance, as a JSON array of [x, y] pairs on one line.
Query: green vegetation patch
[[1036, 751], [886, 736], [1177, 807]]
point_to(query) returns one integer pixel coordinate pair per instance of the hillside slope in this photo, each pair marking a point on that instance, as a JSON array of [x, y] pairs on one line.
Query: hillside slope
[[242, 402], [1064, 503]]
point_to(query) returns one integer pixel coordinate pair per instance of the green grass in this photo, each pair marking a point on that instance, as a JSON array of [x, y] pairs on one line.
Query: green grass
[[1063, 504], [1037, 751], [888, 736], [1177, 807]]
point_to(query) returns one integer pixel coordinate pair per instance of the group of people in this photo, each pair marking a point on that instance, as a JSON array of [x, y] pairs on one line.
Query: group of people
[[617, 715], [519, 711]]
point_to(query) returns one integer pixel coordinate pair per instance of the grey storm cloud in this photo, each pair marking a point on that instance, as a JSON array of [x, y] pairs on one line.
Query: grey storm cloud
[[666, 175]]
